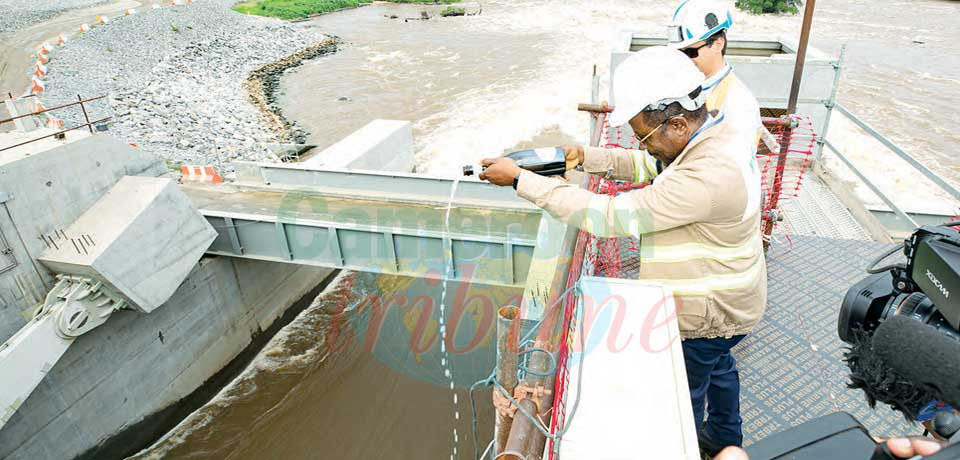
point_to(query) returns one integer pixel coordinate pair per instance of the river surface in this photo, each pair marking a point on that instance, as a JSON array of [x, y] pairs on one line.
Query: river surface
[[359, 374], [473, 87]]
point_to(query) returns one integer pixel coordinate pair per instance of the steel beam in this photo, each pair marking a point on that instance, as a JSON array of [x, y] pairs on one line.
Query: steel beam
[[490, 242]]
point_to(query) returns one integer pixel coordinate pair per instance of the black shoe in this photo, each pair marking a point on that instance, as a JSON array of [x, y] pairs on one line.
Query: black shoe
[[708, 447]]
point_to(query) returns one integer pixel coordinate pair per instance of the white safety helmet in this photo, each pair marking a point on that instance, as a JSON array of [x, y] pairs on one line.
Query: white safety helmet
[[696, 20], [652, 79]]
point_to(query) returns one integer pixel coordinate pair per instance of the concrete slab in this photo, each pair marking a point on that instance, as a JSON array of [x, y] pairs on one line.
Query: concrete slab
[[382, 145], [142, 238]]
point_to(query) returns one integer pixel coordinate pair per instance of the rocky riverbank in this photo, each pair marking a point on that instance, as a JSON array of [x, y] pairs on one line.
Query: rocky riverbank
[[262, 85], [192, 83]]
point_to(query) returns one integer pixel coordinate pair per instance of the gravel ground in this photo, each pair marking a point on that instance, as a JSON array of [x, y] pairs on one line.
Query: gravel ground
[[19, 14], [175, 77]]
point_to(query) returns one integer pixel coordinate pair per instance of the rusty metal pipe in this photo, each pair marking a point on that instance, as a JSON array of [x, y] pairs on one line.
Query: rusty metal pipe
[[526, 442], [787, 135], [57, 133], [595, 108], [508, 332], [85, 116], [521, 445], [51, 109], [801, 56]]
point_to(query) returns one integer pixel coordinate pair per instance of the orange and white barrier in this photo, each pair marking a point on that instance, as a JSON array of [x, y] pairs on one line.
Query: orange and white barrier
[[42, 58], [39, 70], [130, 12], [61, 40], [39, 107], [46, 48], [194, 173], [84, 27], [38, 86], [103, 19], [54, 122]]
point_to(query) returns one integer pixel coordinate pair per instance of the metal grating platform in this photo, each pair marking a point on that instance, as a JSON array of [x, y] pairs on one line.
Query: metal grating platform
[[791, 367], [816, 211]]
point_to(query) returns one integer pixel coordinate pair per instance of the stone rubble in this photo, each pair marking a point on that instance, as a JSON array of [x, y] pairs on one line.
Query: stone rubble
[[177, 80], [20, 14]]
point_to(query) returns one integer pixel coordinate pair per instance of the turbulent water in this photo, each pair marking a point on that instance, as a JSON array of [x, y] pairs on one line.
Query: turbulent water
[[474, 86], [479, 85], [358, 375]]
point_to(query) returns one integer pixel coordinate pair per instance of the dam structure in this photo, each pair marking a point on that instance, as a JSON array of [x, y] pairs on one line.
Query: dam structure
[[126, 288]]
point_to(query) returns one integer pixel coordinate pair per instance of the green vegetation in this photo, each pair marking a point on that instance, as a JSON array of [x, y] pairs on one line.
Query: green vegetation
[[769, 6], [453, 11], [295, 9]]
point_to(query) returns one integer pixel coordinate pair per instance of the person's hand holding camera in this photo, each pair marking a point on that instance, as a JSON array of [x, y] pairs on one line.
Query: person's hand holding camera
[[901, 447]]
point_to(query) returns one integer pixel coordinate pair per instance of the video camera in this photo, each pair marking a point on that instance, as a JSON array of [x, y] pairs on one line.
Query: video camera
[[903, 325], [919, 289]]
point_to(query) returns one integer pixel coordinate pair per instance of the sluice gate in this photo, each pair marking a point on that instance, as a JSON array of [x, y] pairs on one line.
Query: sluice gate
[[391, 223]]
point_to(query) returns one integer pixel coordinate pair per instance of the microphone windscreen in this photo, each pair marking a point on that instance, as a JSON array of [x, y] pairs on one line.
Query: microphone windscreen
[[921, 355]]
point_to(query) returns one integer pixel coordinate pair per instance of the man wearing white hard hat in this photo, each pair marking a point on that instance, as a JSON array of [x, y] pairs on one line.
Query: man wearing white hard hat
[[698, 29], [698, 236]]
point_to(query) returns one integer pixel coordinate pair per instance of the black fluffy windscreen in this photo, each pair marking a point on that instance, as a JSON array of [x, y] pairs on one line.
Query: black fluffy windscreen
[[880, 383]]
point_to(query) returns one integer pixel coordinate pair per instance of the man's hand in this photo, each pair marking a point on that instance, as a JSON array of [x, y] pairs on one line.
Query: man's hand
[[914, 445], [901, 447], [732, 453], [574, 155], [500, 171]]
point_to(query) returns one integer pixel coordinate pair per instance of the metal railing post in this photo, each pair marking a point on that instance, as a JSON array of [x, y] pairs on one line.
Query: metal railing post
[[594, 96], [85, 117], [818, 153]]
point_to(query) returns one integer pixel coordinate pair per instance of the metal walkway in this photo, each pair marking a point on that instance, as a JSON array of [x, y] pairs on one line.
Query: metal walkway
[[791, 366], [374, 222]]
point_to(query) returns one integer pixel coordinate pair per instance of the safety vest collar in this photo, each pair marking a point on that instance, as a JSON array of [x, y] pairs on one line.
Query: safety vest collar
[[713, 81]]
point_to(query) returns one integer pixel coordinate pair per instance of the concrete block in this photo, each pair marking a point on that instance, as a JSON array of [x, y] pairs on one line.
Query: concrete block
[[142, 239], [381, 145]]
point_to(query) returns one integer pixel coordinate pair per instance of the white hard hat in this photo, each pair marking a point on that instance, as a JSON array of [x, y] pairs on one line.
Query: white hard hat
[[696, 20], [652, 79]]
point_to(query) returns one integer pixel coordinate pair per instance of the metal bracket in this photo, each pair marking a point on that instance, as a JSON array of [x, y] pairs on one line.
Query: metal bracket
[[80, 305]]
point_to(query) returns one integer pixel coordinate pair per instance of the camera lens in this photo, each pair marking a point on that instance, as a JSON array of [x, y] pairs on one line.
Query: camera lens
[[918, 306]]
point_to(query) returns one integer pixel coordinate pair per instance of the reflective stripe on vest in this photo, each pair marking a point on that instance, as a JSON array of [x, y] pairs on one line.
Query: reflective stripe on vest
[[644, 167], [694, 287], [692, 251]]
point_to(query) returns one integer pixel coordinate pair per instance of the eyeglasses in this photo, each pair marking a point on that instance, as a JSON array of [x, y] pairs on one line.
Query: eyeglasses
[[644, 139], [693, 53]]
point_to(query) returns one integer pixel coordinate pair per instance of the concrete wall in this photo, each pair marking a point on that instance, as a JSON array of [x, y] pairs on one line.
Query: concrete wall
[[121, 372], [381, 145], [48, 191]]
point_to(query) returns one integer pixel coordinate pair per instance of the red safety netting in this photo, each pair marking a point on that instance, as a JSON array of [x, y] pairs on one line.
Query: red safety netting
[[782, 176], [783, 173]]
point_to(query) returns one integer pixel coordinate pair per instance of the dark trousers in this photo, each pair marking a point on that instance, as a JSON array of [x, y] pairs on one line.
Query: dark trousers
[[714, 380]]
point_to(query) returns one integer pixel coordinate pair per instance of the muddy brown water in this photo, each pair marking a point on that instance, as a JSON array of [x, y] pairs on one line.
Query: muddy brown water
[[357, 375]]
